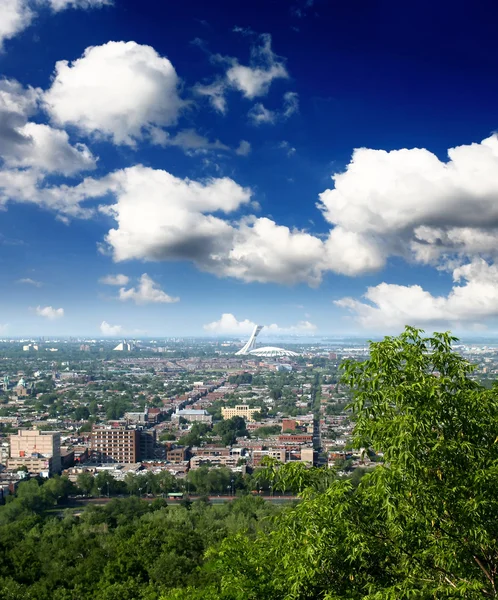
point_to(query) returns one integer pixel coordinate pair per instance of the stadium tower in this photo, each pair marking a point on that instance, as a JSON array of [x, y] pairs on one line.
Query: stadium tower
[[252, 340]]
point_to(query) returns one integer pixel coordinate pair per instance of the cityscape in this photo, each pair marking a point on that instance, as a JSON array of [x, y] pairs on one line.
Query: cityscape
[[172, 407], [248, 300]]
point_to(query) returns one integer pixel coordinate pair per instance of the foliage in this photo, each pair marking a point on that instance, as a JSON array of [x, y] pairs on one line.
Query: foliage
[[421, 526], [128, 549]]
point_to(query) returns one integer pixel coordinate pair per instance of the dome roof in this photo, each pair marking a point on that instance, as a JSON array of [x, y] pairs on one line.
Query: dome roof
[[271, 352]]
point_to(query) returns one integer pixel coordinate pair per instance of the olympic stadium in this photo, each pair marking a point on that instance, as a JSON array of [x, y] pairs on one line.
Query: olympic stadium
[[265, 352]]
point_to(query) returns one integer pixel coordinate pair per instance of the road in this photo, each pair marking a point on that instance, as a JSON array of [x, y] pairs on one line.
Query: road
[[81, 502]]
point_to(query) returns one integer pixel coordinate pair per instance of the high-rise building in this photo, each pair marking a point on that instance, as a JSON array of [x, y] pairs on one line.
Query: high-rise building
[[147, 443], [38, 451], [115, 445]]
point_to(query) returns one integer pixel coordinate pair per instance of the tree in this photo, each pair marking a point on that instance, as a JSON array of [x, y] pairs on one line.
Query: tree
[[423, 525], [85, 482], [104, 483]]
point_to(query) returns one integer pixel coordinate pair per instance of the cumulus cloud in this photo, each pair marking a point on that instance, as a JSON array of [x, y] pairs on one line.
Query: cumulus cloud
[[405, 203], [29, 281], [160, 216], [263, 251], [24, 144], [49, 313], [110, 330], [3, 327], [17, 15], [472, 300], [229, 324], [147, 292], [119, 90], [409, 203], [119, 280]]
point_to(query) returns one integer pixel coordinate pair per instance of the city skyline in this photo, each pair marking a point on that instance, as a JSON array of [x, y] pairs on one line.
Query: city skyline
[[197, 169]]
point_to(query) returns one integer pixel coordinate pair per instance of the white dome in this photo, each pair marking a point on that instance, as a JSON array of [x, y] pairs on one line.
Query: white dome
[[271, 352]]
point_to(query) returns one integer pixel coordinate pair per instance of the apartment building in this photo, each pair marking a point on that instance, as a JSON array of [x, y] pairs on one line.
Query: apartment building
[[242, 410], [38, 451], [115, 445]]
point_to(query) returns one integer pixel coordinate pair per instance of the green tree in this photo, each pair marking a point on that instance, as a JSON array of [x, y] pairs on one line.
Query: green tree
[[423, 525], [85, 482]]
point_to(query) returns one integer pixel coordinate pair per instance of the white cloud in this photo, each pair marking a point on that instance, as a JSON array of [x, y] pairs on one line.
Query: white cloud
[[265, 66], [265, 252], [160, 216], [110, 330], [215, 92], [48, 149], [229, 324], [119, 280], [403, 203], [49, 313], [29, 281], [243, 149], [4, 327], [472, 300], [26, 144], [118, 90], [253, 80], [58, 5], [147, 292], [291, 104], [17, 15], [260, 115], [409, 203]]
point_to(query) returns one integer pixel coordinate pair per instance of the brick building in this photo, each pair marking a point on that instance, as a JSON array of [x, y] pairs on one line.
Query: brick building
[[118, 444]]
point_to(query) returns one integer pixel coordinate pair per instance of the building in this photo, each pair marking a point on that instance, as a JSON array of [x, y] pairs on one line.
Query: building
[[30, 348], [275, 453], [308, 455], [147, 439], [115, 445], [289, 425], [125, 346], [214, 460], [249, 349], [241, 410], [136, 417], [38, 451], [291, 439], [192, 415], [177, 455]]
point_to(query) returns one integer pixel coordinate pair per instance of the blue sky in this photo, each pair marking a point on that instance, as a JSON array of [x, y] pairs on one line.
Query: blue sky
[[190, 148]]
